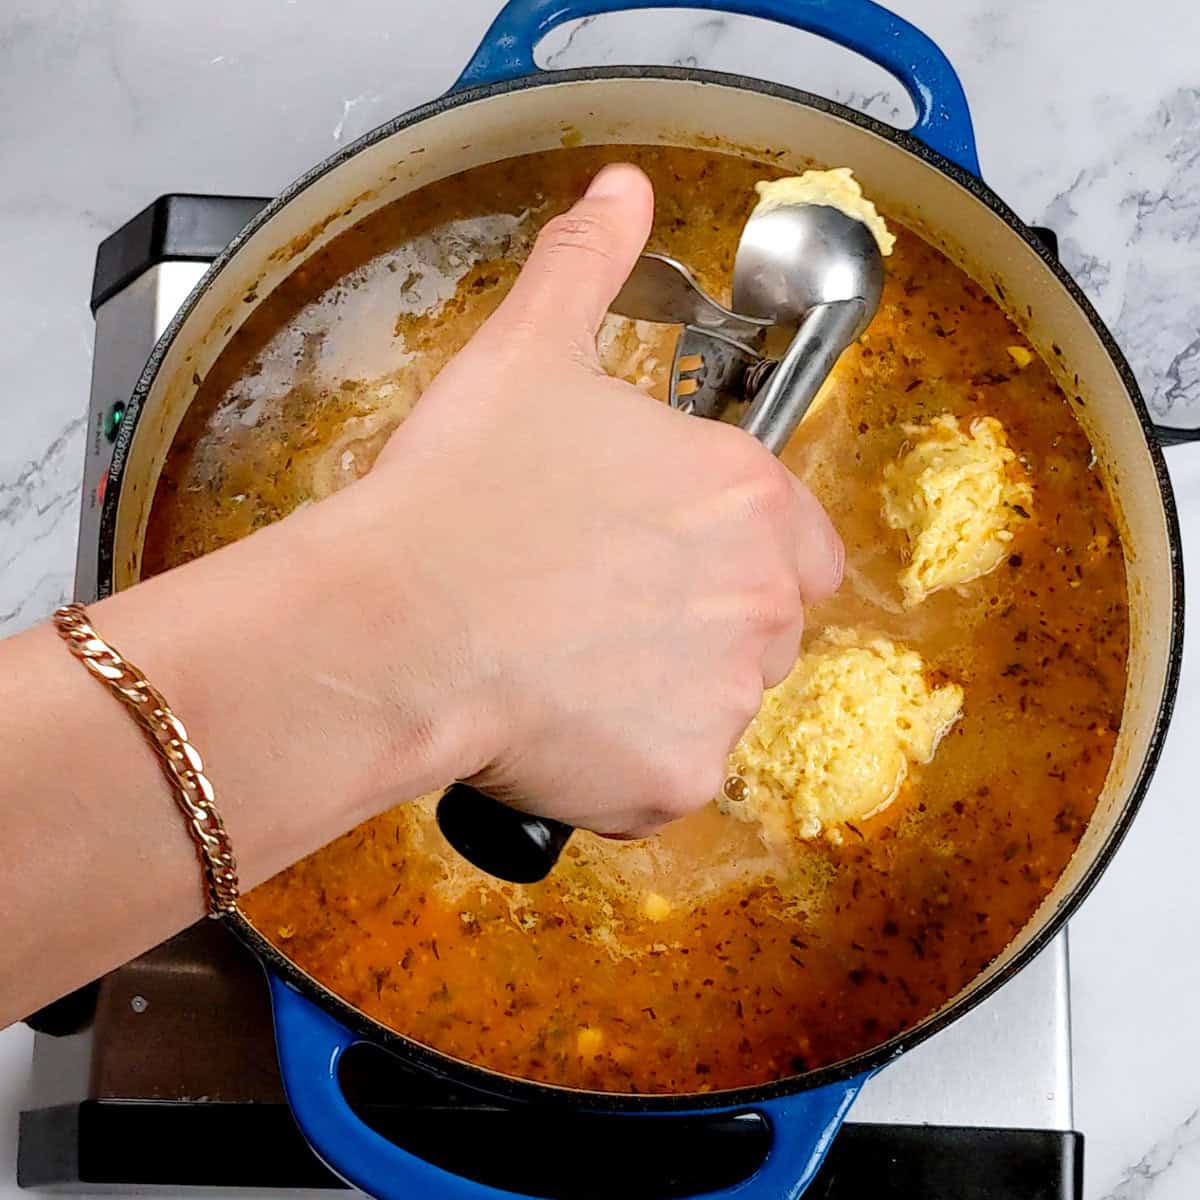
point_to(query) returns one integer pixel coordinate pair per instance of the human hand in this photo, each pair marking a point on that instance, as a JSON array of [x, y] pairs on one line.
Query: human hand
[[550, 584], [605, 586]]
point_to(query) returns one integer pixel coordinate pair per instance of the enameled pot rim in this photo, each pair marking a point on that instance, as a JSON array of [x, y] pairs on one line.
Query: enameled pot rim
[[522, 1091]]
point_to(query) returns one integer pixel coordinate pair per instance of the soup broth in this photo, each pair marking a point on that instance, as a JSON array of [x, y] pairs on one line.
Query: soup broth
[[708, 957]]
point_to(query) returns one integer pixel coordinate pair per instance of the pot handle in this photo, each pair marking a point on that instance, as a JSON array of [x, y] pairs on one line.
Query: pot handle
[[311, 1043], [943, 116], [1176, 435]]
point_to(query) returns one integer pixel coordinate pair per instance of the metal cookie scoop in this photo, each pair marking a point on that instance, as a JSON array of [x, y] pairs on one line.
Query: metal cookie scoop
[[661, 289], [717, 348], [808, 266], [811, 264], [795, 258]]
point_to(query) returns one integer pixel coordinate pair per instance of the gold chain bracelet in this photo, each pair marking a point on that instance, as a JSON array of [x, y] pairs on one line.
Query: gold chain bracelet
[[180, 760]]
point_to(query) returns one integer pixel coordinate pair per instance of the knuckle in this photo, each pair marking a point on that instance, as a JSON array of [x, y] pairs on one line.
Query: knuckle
[[740, 453], [766, 488], [771, 597], [775, 485], [571, 232], [779, 605]]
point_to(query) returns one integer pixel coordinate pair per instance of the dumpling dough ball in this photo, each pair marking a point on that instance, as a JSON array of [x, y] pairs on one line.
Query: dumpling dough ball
[[959, 496], [836, 188], [834, 741]]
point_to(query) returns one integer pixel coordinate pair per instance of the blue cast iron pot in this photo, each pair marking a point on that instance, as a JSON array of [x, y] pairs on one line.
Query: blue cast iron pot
[[928, 178]]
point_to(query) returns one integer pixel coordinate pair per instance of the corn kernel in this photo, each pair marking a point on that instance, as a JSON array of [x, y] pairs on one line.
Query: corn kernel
[[1021, 356], [656, 907], [588, 1041]]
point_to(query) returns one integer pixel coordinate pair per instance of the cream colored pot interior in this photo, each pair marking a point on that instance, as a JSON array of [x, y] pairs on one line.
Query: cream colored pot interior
[[690, 113]]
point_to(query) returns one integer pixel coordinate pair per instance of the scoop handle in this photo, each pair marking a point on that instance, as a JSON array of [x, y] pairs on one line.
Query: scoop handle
[[777, 410], [502, 841]]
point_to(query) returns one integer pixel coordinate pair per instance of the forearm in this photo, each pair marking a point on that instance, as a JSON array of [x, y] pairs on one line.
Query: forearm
[[248, 647], [548, 584]]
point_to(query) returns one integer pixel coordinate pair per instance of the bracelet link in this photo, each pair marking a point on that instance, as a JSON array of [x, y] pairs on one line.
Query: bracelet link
[[180, 761]]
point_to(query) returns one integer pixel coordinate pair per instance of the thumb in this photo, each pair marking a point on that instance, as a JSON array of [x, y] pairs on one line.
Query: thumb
[[582, 258]]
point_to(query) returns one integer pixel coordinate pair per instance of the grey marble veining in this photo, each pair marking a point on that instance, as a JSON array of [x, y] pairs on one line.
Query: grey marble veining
[[1148, 198], [1148, 1176], [38, 504], [1088, 119]]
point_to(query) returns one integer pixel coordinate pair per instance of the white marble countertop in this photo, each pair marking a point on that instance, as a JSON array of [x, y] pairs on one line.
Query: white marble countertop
[[1088, 118]]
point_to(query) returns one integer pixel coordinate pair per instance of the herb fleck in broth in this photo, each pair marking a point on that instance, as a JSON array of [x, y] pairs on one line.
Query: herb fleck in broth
[[700, 959]]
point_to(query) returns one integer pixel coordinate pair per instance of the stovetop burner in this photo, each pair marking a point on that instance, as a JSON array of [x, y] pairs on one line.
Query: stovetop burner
[[163, 1073]]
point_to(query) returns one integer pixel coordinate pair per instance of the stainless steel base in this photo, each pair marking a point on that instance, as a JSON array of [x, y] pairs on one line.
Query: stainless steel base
[[1007, 1064]]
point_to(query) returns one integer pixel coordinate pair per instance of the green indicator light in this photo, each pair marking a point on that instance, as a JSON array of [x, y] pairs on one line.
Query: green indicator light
[[112, 420]]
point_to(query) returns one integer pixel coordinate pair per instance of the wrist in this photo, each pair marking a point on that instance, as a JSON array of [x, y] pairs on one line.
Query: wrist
[[312, 691], [396, 644]]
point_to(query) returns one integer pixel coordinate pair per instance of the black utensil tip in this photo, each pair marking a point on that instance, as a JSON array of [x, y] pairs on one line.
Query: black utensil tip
[[502, 841]]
